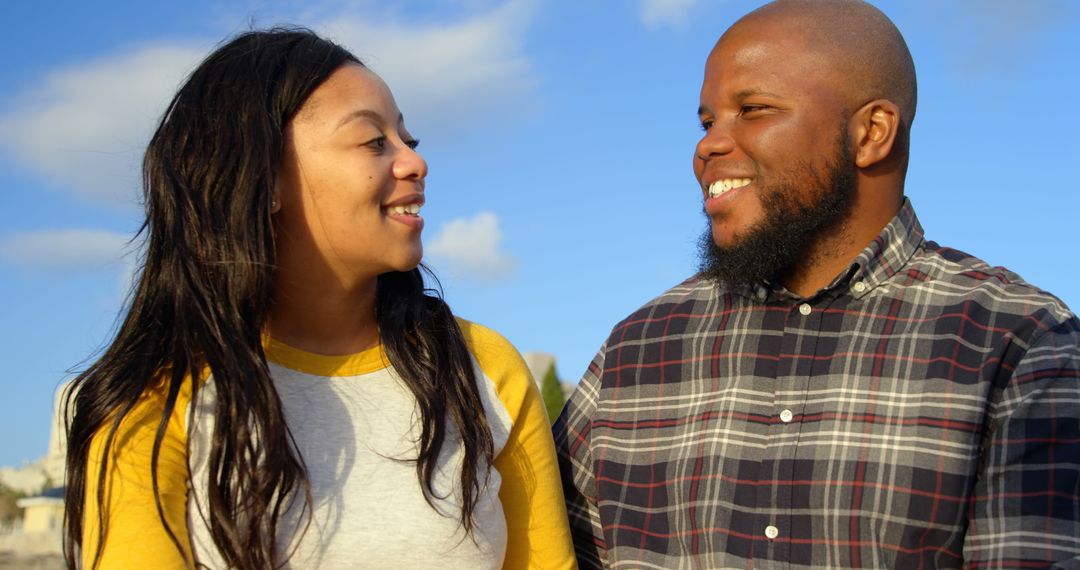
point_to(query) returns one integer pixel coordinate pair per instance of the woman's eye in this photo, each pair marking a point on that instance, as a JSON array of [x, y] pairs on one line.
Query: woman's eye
[[412, 143], [706, 125], [378, 143]]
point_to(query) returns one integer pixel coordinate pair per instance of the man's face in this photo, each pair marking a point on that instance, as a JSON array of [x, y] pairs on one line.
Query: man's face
[[773, 165]]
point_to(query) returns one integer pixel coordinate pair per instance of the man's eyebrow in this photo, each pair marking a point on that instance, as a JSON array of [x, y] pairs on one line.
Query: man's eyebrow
[[753, 91]]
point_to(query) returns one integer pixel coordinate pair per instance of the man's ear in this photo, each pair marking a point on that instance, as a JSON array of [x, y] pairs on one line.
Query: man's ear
[[875, 129]]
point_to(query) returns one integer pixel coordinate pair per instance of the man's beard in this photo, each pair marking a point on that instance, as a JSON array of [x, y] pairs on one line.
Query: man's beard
[[788, 228]]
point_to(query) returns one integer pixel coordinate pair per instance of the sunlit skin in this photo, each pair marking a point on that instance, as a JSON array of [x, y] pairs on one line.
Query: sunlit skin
[[348, 160], [766, 117]]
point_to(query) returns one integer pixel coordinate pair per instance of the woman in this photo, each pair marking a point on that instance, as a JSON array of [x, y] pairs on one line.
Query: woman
[[283, 389]]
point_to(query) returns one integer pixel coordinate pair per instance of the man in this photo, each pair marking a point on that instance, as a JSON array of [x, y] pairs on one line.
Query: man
[[831, 390]]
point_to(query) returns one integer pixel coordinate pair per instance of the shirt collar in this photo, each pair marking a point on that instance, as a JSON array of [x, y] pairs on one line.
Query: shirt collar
[[888, 253], [881, 259]]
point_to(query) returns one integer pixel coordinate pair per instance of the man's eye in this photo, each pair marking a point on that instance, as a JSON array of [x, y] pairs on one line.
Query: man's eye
[[412, 143], [751, 109]]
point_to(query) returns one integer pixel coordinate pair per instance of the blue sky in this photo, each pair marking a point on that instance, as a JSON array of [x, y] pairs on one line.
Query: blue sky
[[559, 139]]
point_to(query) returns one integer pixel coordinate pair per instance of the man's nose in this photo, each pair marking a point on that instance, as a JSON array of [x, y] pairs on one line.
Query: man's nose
[[716, 142]]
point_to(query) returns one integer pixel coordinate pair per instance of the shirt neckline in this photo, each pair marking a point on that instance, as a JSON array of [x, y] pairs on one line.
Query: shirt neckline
[[364, 362]]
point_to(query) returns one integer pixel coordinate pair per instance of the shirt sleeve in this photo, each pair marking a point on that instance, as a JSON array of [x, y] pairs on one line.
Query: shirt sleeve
[[134, 534], [1025, 507], [573, 444], [531, 496]]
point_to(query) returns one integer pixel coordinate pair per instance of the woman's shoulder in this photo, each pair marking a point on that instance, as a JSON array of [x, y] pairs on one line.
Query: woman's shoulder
[[496, 355], [483, 339], [140, 424]]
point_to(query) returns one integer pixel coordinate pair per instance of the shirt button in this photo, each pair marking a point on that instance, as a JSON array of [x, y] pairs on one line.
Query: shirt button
[[785, 416], [859, 287], [772, 532], [805, 309]]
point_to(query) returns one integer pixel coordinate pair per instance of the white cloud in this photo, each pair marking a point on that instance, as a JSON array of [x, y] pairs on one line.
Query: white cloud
[[84, 128], [65, 249], [974, 29], [447, 76], [670, 13], [470, 248]]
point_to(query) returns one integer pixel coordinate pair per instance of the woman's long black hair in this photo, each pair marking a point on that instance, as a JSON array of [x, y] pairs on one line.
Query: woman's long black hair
[[202, 298]]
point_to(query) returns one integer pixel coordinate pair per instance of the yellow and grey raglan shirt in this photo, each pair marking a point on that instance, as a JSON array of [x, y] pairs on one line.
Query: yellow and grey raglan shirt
[[356, 426]]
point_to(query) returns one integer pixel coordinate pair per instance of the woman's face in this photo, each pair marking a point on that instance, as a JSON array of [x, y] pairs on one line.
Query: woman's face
[[351, 184]]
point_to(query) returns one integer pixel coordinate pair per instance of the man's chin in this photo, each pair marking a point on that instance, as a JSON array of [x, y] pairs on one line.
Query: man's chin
[[730, 261], [730, 232], [723, 236]]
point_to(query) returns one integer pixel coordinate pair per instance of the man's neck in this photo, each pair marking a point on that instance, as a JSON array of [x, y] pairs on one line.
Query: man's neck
[[835, 250]]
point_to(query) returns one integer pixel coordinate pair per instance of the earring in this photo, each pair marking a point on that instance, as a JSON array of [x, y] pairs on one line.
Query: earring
[[273, 204]]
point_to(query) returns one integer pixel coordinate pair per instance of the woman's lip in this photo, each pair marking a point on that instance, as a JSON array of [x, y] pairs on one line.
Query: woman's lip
[[415, 222], [416, 198]]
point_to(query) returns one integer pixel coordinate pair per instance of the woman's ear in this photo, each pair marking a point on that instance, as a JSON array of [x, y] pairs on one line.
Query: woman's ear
[[875, 129], [275, 194], [275, 202]]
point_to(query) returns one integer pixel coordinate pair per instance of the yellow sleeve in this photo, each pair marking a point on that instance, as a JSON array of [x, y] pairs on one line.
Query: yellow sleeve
[[531, 493], [134, 534]]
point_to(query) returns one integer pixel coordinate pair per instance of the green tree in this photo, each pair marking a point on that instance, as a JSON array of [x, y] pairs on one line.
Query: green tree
[[9, 511], [552, 393]]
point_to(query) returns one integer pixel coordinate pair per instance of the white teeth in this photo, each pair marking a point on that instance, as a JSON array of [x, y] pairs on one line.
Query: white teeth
[[409, 210], [723, 185]]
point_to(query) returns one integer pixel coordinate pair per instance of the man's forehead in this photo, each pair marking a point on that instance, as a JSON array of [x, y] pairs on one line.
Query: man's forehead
[[764, 52], [743, 54]]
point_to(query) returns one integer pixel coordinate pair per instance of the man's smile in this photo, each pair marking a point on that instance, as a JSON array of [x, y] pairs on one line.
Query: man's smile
[[724, 185]]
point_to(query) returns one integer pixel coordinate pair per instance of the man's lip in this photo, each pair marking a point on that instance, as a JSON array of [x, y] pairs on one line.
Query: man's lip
[[731, 193], [717, 205], [706, 183]]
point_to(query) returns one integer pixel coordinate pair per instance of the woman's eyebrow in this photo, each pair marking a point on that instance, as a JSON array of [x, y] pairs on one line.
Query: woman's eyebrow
[[359, 114]]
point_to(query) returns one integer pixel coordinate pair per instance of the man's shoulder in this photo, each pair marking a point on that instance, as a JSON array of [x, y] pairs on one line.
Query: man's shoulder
[[965, 276], [691, 298], [693, 289]]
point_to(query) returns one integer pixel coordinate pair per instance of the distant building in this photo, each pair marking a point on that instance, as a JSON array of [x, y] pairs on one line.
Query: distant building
[[539, 363], [38, 541], [27, 479], [43, 513], [40, 531], [48, 471]]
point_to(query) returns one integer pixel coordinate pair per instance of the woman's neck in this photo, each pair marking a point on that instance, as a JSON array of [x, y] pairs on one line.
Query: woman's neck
[[331, 320]]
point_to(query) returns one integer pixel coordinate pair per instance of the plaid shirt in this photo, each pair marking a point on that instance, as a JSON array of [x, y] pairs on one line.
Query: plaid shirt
[[923, 411]]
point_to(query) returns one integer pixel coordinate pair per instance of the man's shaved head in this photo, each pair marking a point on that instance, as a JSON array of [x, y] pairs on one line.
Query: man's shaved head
[[859, 47]]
